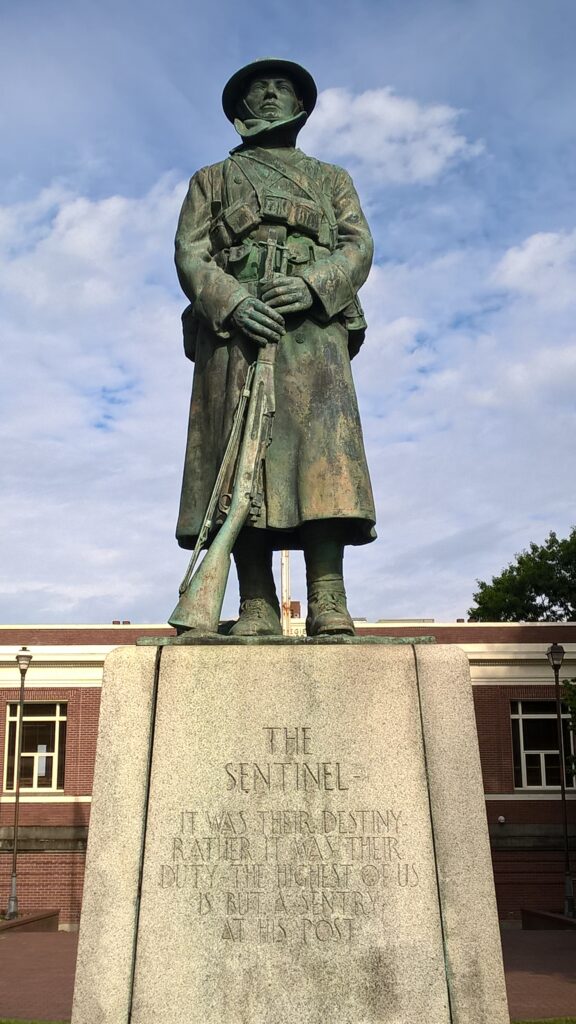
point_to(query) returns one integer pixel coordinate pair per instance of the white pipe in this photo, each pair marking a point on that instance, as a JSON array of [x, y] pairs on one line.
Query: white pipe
[[285, 591]]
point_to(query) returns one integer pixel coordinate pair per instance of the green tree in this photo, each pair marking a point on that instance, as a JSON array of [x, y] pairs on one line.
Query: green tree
[[539, 586]]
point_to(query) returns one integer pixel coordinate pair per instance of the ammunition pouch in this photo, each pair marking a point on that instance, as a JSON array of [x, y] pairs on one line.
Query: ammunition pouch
[[231, 225], [355, 323], [298, 214], [245, 261], [234, 223], [190, 331]]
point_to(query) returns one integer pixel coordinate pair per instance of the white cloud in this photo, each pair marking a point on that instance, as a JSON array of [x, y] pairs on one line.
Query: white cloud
[[469, 415], [387, 138], [543, 266], [94, 404], [65, 253]]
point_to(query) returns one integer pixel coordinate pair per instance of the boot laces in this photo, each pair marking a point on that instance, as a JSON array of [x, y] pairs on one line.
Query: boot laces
[[329, 600], [259, 607]]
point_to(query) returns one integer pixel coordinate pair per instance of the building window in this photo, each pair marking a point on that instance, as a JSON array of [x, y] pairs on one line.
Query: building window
[[535, 744], [43, 747]]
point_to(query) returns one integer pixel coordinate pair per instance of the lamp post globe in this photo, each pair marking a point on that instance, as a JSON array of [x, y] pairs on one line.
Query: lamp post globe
[[555, 655]]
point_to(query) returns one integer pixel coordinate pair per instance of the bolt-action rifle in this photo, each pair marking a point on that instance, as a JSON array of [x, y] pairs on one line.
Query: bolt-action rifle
[[202, 589]]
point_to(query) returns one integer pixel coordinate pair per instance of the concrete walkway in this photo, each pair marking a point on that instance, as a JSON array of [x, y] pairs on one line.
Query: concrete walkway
[[37, 974], [540, 973]]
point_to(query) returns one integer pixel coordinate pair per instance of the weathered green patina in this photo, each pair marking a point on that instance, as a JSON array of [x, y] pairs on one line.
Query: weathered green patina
[[316, 492], [223, 640]]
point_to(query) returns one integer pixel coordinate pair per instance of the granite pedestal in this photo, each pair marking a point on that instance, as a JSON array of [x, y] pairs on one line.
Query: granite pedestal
[[288, 835]]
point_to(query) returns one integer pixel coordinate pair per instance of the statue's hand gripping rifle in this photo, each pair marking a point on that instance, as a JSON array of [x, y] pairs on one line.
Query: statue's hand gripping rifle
[[202, 590]]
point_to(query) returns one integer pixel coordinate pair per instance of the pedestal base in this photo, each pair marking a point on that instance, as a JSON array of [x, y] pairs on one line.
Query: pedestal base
[[288, 834]]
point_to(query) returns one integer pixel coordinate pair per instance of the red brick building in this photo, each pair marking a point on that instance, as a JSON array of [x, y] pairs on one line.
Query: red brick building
[[515, 713]]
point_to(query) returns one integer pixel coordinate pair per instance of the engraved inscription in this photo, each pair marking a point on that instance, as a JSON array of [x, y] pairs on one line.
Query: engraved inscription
[[266, 873]]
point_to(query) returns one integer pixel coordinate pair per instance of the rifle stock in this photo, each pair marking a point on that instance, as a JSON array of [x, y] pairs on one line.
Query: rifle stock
[[200, 604]]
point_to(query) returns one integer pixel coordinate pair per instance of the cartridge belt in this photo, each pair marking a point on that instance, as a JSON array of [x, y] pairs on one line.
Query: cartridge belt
[[234, 223]]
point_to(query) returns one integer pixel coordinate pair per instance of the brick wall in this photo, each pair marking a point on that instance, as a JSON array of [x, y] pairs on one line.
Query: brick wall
[[492, 708], [533, 881], [493, 722], [46, 881], [530, 812], [46, 814], [67, 636], [82, 729], [491, 633]]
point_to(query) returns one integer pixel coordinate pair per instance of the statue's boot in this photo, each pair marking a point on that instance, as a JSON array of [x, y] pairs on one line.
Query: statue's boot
[[328, 614], [259, 606], [258, 617]]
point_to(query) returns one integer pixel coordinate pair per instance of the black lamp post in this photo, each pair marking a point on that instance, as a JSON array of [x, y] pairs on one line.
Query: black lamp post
[[23, 658], [555, 655]]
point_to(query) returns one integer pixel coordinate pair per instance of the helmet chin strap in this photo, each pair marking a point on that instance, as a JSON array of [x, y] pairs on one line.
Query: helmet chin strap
[[251, 125], [251, 113]]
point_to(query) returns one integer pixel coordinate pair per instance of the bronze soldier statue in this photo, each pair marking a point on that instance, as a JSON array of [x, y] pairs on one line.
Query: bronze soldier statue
[[269, 196]]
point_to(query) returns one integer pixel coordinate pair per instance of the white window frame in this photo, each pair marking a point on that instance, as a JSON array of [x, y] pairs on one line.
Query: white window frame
[[522, 714], [13, 715]]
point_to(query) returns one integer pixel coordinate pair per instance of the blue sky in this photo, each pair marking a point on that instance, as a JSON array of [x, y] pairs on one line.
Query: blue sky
[[455, 119]]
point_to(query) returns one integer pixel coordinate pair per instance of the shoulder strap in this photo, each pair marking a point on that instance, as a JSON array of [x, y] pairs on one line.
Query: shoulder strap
[[252, 179], [225, 193], [294, 174]]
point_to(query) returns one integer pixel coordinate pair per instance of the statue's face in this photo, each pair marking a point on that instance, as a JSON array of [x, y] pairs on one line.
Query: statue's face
[[272, 99]]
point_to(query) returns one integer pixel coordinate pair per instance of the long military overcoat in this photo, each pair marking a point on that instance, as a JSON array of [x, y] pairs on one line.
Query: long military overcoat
[[315, 466]]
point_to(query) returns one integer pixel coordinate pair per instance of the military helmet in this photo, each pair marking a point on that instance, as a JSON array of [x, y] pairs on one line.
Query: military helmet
[[302, 80]]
